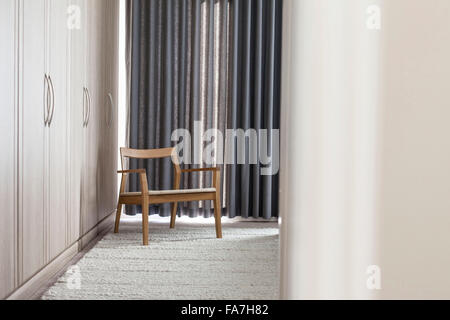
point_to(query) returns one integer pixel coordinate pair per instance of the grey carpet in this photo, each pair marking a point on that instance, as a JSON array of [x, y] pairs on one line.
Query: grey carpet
[[185, 263]]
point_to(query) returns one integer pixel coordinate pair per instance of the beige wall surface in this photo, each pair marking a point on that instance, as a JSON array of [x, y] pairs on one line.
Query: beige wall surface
[[414, 190], [366, 176]]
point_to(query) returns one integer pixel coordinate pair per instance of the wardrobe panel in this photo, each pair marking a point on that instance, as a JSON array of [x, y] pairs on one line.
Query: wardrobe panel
[[115, 86], [59, 141], [109, 133], [94, 79], [113, 130], [58, 126], [8, 187], [32, 138], [102, 111], [78, 109]]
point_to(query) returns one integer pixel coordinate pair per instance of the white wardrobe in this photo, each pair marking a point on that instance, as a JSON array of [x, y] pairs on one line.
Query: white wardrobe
[[58, 129]]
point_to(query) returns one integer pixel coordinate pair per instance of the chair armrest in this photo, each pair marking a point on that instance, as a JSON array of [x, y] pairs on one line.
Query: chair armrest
[[200, 170], [132, 171], [143, 179]]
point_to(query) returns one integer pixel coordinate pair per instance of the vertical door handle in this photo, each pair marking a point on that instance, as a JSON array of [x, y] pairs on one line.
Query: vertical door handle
[[88, 118], [46, 101], [84, 107], [52, 109], [109, 119]]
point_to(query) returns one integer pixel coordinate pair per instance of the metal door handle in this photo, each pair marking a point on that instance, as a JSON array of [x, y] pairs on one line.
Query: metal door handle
[[46, 101], [50, 120], [109, 120], [88, 119], [84, 107]]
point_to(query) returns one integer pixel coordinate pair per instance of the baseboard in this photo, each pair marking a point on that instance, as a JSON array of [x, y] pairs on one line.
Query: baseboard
[[102, 227], [29, 288]]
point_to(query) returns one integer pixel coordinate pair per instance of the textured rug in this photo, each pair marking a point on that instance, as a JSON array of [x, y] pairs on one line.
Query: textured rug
[[185, 263]]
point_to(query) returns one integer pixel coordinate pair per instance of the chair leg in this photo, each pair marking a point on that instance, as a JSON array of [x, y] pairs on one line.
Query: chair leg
[[145, 224], [118, 214], [174, 215], [218, 217]]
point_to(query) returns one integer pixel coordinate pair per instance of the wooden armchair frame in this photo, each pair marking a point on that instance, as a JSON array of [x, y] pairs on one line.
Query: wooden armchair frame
[[146, 197]]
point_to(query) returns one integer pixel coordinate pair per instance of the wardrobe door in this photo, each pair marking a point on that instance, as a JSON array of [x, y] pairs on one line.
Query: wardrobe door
[[8, 94], [103, 110], [109, 145], [114, 78], [115, 124], [114, 88], [78, 110], [58, 126], [94, 79], [33, 113]]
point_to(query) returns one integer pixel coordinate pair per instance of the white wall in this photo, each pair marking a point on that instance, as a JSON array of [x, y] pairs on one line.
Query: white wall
[[366, 177], [414, 193]]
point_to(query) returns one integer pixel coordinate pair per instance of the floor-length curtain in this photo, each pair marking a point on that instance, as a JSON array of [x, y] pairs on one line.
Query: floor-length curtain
[[199, 65]]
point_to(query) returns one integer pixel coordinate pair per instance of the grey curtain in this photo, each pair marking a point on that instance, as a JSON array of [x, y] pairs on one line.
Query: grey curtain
[[213, 61]]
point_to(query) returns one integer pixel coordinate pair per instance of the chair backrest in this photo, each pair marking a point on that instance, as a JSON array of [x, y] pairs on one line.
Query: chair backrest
[[150, 154]]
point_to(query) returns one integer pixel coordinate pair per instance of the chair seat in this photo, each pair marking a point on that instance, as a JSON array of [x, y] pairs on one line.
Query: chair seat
[[169, 192]]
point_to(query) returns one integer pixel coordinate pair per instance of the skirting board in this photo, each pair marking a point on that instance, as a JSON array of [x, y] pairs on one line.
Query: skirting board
[[28, 289]]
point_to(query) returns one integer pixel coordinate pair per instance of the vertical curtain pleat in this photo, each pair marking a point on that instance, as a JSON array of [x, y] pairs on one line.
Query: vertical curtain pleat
[[135, 87], [269, 103], [258, 103], [209, 113], [152, 72], [222, 55], [194, 179], [245, 104], [201, 65], [254, 102], [232, 186]]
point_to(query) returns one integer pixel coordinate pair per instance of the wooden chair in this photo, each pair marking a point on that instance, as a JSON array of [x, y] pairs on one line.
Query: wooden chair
[[146, 197]]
